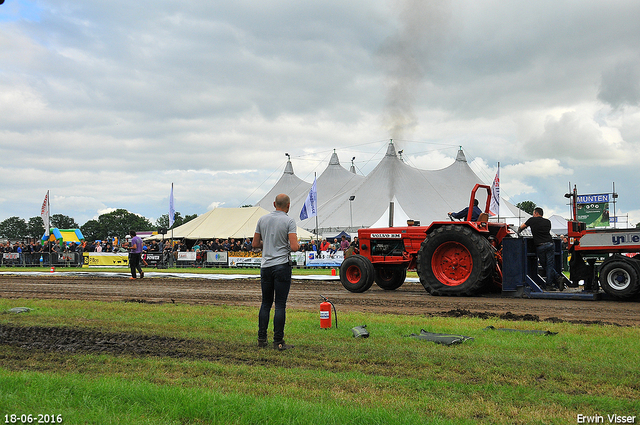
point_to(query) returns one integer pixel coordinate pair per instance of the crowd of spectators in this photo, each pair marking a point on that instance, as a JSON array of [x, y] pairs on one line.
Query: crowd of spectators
[[331, 246], [36, 252]]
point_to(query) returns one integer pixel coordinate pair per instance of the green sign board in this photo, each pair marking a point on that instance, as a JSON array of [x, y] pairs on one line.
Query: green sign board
[[593, 214]]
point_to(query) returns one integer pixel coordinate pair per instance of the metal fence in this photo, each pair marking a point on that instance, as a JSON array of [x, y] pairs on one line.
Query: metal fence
[[44, 259]]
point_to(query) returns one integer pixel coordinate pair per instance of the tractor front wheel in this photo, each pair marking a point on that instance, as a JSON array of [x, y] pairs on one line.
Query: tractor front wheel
[[356, 273], [455, 260], [390, 278]]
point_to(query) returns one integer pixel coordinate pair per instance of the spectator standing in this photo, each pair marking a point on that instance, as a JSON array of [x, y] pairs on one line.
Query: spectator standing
[[324, 245], [135, 255], [276, 235]]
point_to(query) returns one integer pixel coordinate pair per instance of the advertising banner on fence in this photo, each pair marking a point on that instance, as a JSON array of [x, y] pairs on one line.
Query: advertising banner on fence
[[324, 259], [186, 256], [106, 259], [217, 258], [245, 261], [593, 210], [298, 258], [151, 259]]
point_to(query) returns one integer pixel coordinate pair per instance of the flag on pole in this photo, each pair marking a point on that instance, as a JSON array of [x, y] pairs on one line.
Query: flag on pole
[[494, 208], [172, 210], [310, 207], [44, 213]]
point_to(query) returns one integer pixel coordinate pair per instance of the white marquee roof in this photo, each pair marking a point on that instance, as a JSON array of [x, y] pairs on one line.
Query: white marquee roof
[[237, 223], [425, 195]]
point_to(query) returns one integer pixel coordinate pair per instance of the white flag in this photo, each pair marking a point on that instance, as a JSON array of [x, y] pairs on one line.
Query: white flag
[[310, 207], [172, 210], [494, 208], [44, 213]]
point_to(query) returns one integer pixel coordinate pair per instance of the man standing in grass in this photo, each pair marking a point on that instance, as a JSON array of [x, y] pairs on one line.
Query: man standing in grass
[[276, 235], [135, 254]]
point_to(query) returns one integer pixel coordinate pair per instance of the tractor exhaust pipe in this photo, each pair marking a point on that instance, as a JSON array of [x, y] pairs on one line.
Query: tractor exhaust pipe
[[391, 214]]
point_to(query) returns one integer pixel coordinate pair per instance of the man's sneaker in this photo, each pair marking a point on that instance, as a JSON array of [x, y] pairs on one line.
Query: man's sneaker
[[141, 275], [262, 343], [281, 346], [132, 278], [560, 282]]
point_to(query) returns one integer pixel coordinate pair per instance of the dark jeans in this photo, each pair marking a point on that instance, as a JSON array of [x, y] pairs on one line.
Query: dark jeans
[[276, 281], [134, 263], [546, 254]]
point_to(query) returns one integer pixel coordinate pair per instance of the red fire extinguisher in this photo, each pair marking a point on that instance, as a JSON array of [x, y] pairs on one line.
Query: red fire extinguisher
[[325, 313]]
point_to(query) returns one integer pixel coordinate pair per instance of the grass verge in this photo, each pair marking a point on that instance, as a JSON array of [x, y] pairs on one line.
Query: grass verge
[[330, 377]]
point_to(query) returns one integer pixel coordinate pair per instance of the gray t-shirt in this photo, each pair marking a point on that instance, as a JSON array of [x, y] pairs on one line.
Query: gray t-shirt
[[274, 229]]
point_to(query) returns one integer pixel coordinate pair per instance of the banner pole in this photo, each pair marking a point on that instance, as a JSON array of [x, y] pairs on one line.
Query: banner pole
[[498, 198]]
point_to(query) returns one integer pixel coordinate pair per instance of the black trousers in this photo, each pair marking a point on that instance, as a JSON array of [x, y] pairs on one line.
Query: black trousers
[[275, 282], [134, 263]]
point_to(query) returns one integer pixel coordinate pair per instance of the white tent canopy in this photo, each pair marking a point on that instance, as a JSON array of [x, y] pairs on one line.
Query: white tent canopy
[[399, 216], [423, 195], [334, 181], [558, 225], [290, 184], [237, 223]]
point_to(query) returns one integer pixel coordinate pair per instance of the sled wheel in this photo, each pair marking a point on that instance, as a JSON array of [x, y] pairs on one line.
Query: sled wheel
[[356, 273], [619, 278], [390, 278], [455, 260]]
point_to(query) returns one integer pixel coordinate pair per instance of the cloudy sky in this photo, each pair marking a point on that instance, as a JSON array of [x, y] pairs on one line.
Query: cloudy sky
[[106, 104]]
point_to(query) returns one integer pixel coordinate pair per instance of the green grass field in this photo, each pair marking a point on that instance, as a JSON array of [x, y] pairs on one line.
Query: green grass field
[[329, 378]]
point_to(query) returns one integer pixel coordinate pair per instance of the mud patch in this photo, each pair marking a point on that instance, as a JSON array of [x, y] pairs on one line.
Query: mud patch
[[458, 312], [89, 341]]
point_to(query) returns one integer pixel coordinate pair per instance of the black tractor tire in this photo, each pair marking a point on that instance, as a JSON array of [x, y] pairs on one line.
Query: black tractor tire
[[356, 273], [390, 278], [455, 260], [620, 277]]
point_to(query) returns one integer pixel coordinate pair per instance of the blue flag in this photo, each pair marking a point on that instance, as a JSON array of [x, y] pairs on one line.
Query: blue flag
[[172, 210], [310, 207]]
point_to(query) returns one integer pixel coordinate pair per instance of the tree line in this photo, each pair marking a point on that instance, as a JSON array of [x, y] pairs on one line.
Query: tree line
[[113, 224]]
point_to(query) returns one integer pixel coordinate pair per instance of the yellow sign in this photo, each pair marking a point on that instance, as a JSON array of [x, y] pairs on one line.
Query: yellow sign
[[106, 259]]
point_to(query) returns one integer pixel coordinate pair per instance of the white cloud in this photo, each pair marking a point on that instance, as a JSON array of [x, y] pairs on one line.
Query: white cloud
[[107, 104]]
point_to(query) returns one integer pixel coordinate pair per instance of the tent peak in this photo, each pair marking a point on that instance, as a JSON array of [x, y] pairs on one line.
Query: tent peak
[[460, 156], [334, 159], [391, 150], [288, 169], [353, 167]]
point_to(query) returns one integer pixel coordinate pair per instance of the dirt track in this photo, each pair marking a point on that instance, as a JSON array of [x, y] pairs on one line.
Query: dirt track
[[411, 298]]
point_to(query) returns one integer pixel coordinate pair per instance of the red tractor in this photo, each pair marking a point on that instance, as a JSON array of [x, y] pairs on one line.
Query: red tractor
[[451, 258], [465, 258]]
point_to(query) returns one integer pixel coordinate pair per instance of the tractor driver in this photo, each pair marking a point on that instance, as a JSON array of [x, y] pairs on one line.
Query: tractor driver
[[475, 214], [545, 248]]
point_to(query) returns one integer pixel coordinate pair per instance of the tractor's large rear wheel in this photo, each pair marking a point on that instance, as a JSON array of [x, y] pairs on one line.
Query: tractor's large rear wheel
[[455, 260], [620, 277], [356, 273], [390, 278]]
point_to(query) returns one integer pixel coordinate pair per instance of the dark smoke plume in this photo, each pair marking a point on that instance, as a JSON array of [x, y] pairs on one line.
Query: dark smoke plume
[[406, 58]]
